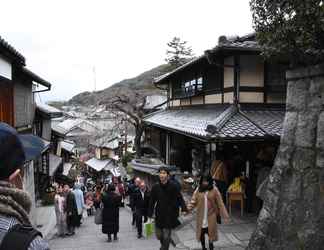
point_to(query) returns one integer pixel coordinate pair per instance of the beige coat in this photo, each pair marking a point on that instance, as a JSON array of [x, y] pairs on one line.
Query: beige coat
[[216, 206]]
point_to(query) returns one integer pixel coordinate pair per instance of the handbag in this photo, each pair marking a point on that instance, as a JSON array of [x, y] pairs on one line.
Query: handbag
[[148, 229], [98, 216]]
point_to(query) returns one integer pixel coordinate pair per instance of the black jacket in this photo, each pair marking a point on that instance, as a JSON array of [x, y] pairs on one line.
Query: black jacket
[[110, 214], [165, 199], [140, 204]]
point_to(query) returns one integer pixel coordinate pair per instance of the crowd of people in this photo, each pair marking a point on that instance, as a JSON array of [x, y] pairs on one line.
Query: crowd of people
[[163, 204]]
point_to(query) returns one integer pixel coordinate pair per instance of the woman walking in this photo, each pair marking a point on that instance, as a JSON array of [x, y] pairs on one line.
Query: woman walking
[[208, 201], [59, 201], [110, 215]]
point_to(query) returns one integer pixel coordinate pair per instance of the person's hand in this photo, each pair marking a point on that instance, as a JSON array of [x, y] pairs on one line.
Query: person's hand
[[185, 213], [226, 220]]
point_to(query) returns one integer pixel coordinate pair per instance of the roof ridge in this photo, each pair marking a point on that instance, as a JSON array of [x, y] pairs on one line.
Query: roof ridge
[[221, 120], [250, 120]]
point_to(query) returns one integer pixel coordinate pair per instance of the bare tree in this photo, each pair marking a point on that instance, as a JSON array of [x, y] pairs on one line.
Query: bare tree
[[130, 108]]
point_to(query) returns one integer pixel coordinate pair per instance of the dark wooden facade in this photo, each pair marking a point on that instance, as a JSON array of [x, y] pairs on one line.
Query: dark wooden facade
[[6, 102]]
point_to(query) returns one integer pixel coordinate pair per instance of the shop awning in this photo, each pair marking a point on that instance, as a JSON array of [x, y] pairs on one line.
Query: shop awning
[[66, 168], [54, 162], [99, 165], [46, 145], [67, 145]]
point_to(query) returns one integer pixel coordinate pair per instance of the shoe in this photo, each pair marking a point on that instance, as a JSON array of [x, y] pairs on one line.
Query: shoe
[[139, 236], [109, 239], [115, 238]]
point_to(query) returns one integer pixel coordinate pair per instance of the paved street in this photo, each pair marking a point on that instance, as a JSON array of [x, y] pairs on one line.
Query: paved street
[[89, 236]]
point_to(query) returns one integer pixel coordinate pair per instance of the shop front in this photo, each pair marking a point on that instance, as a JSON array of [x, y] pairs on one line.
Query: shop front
[[244, 140]]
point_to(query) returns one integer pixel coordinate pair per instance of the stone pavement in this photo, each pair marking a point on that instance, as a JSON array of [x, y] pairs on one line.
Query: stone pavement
[[89, 236], [234, 236], [45, 220]]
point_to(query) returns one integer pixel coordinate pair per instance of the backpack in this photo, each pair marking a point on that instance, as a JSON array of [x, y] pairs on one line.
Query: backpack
[[19, 237]]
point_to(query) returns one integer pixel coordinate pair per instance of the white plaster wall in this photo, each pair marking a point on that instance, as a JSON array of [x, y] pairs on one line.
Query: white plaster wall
[[251, 97], [228, 97], [5, 68], [251, 71], [215, 98], [229, 72]]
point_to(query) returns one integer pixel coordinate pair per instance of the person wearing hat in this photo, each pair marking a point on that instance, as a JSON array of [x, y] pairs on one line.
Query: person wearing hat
[[164, 198], [16, 231]]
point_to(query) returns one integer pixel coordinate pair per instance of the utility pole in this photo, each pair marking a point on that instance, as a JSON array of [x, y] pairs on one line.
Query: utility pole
[[94, 78], [126, 136]]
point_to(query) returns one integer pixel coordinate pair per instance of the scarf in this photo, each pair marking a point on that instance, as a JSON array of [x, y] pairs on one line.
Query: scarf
[[14, 202]]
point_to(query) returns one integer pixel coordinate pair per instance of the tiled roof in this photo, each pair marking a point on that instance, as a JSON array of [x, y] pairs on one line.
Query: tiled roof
[[166, 75], [36, 78], [48, 109], [270, 121], [240, 127], [190, 121], [12, 51], [246, 45], [221, 122]]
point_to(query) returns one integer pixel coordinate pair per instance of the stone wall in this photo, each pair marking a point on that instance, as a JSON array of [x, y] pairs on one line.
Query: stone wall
[[292, 216]]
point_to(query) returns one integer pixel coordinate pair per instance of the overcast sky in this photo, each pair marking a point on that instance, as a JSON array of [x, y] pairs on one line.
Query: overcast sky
[[63, 41]]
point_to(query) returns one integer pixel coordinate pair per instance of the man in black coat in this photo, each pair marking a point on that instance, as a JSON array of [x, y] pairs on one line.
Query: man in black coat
[[133, 188], [164, 197], [141, 203]]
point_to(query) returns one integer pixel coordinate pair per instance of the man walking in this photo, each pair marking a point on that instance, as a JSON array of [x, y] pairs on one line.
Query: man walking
[[71, 210], [132, 191], [141, 203], [164, 198], [16, 231]]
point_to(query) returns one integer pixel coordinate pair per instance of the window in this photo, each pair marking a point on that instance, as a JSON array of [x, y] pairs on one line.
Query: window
[[191, 87]]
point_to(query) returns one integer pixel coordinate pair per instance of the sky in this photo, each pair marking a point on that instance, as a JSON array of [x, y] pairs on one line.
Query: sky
[[83, 45]]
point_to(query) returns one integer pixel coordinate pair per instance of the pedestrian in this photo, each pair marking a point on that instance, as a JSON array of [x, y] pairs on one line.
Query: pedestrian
[[79, 199], [133, 188], [141, 203], [71, 210], [89, 202], [97, 198], [208, 201], [16, 229], [110, 214], [164, 197], [59, 203], [219, 173]]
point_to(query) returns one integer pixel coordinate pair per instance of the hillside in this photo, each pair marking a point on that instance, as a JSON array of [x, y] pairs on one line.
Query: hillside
[[142, 83]]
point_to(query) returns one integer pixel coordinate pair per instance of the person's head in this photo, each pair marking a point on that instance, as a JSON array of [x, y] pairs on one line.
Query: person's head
[[77, 185], [137, 181], [205, 183], [164, 174], [66, 188], [15, 150], [59, 189], [142, 186]]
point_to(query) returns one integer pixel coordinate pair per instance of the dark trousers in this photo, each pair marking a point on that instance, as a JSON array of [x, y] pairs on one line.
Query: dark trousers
[[202, 239], [133, 217], [139, 223], [164, 236], [222, 187]]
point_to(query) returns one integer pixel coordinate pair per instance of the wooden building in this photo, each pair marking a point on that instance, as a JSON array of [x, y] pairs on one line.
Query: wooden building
[[18, 86], [225, 104]]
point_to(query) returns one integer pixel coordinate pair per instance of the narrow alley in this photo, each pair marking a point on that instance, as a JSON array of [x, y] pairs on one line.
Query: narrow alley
[[89, 237]]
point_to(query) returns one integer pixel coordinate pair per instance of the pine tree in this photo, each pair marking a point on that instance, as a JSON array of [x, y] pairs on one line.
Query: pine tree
[[178, 52]]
